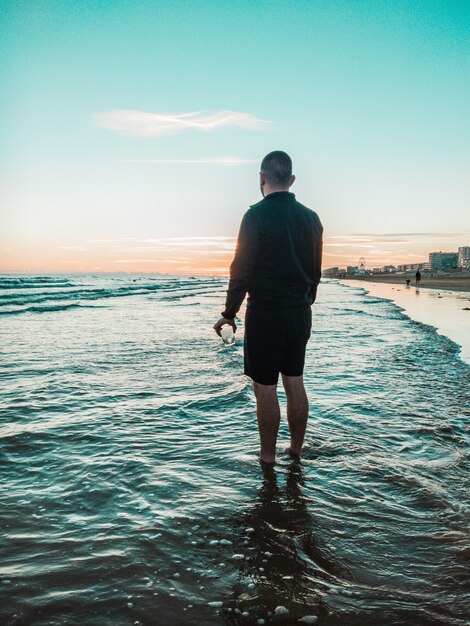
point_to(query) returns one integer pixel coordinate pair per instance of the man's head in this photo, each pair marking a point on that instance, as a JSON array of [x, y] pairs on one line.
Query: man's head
[[276, 172]]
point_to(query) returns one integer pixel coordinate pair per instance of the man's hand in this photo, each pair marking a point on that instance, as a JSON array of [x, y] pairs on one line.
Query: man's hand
[[218, 325]]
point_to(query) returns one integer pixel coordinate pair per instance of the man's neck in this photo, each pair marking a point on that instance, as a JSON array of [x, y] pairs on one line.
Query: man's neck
[[268, 190]]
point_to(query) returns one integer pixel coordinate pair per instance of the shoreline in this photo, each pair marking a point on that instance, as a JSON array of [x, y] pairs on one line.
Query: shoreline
[[448, 310], [459, 283]]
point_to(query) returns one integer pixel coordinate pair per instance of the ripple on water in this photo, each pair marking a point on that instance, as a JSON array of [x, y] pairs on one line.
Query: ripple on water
[[131, 489]]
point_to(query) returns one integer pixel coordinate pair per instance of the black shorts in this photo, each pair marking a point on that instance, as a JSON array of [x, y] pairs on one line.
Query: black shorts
[[275, 341]]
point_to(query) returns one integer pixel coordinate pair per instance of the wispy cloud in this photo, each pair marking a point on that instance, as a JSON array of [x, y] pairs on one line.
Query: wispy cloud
[[227, 161], [77, 248], [136, 261], [135, 244], [143, 124], [191, 253]]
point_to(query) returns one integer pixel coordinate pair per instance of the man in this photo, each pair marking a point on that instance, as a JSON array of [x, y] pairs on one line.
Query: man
[[278, 263]]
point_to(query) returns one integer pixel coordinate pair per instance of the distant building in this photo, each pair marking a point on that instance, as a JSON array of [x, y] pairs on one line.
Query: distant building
[[464, 257], [389, 269], [443, 260], [331, 272], [352, 269], [412, 267]]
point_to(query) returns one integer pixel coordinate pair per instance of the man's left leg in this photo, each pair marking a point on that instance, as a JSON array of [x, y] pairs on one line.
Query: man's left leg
[[268, 413]]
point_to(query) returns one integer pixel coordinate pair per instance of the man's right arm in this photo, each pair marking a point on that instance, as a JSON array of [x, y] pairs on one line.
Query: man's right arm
[[241, 268]]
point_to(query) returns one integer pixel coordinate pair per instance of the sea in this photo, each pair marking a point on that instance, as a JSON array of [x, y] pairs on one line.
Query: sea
[[131, 492]]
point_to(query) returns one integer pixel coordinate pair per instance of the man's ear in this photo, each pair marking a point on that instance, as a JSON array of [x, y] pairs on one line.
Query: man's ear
[[292, 180], [262, 179]]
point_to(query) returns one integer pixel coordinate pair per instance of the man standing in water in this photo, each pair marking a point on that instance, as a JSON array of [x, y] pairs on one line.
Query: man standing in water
[[278, 263]]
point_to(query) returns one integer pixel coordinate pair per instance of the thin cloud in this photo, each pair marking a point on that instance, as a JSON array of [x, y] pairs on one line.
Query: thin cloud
[[135, 244], [71, 248], [440, 235], [136, 261], [143, 124], [229, 161]]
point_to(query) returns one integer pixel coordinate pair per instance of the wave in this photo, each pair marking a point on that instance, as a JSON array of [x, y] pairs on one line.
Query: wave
[[51, 307], [38, 291], [450, 344], [33, 282]]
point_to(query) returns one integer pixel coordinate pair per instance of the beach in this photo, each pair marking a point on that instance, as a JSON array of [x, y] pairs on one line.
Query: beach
[[131, 489], [448, 282]]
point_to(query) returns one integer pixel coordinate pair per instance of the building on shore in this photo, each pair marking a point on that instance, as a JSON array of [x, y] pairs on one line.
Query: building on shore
[[464, 257], [438, 262], [413, 267], [443, 261], [386, 269], [331, 272]]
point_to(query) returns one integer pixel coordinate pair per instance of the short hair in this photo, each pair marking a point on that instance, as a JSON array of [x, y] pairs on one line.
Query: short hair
[[277, 167]]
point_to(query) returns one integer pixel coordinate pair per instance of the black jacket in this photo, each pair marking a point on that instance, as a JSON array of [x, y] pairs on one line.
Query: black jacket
[[277, 257]]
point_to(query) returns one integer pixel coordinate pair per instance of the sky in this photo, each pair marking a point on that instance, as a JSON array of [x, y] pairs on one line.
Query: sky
[[131, 132]]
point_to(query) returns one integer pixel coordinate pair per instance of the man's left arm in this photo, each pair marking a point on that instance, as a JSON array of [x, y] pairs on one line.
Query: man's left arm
[[317, 260]]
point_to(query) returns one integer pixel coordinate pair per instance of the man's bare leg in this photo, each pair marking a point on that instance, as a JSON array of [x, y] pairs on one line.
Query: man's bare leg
[[297, 411], [268, 413]]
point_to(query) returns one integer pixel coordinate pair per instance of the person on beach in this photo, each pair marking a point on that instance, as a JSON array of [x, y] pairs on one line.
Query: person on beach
[[418, 277], [277, 262]]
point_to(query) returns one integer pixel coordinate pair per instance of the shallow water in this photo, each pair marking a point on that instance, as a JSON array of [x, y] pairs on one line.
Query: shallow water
[[447, 311], [128, 452]]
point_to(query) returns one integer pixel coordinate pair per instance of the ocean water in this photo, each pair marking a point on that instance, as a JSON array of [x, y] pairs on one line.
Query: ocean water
[[131, 491]]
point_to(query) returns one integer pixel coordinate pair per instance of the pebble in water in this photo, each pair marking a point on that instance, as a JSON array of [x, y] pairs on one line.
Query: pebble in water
[[225, 542], [308, 619], [215, 604], [238, 557], [281, 610]]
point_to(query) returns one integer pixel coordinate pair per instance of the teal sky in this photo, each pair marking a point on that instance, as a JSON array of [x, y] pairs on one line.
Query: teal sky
[[370, 99]]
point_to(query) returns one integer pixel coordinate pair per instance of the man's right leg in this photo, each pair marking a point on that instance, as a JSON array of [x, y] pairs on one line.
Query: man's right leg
[[297, 410], [268, 413]]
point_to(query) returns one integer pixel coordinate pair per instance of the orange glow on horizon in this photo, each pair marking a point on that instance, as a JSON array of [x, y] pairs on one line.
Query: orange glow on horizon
[[209, 255]]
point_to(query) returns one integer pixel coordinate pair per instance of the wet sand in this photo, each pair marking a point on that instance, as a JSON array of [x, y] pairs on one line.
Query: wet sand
[[460, 282]]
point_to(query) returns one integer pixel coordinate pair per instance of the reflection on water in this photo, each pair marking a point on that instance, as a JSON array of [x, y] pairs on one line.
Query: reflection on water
[[281, 553]]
